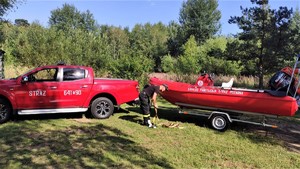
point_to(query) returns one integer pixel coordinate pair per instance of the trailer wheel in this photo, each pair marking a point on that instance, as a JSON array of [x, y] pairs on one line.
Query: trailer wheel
[[219, 122], [5, 111], [102, 108]]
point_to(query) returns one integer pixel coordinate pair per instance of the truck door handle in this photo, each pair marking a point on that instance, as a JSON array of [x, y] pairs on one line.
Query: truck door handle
[[84, 86], [53, 87]]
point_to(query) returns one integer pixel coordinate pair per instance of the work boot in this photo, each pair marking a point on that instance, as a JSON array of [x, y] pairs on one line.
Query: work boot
[[150, 125], [147, 122]]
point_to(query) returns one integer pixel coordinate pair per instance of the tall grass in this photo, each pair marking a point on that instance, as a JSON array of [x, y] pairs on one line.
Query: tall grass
[[239, 81], [11, 71]]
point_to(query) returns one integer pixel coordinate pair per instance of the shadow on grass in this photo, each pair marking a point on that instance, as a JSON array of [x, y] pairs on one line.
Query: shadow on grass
[[60, 115], [287, 133], [96, 146], [166, 113]]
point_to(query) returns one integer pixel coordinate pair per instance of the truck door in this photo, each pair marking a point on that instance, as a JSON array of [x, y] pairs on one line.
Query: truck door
[[74, 87], [37, 91]]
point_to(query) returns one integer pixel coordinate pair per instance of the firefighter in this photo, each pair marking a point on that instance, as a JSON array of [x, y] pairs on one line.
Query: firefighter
[[150, 92]]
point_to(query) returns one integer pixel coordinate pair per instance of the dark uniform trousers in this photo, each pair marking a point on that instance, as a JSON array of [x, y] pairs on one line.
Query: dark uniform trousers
[[145, 106]]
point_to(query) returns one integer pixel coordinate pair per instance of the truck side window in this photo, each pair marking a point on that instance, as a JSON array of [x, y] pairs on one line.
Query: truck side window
[[73, 74], [43, 75]]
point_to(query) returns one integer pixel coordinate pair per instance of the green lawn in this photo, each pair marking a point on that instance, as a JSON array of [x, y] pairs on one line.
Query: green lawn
[[121, 142]]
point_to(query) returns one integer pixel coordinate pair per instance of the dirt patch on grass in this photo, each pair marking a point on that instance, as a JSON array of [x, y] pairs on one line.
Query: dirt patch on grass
[[83, 120], [288, 132]]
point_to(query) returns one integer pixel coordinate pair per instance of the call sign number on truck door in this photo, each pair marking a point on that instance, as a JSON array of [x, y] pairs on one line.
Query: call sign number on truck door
[[75, 87]]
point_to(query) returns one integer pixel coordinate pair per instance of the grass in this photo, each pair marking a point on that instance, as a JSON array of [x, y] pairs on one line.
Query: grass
[[121, 142]]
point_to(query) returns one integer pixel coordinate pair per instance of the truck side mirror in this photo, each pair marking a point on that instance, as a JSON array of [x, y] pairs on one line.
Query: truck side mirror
[[24, 79]]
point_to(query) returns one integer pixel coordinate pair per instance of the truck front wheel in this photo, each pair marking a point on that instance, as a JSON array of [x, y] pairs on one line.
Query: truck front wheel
[[5, 111], [102, 108]]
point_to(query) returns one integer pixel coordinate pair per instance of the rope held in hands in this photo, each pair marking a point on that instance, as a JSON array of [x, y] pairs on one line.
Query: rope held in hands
[[167, 125]]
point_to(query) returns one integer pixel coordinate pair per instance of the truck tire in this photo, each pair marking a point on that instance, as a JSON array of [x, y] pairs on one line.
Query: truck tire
[[219, 122], [102, 108], [5, 111]]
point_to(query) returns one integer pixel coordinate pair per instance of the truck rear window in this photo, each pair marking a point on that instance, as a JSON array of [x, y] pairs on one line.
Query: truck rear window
[[73, 74]]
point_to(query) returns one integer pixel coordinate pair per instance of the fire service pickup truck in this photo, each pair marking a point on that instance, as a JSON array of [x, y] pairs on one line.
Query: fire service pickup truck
[[63, 89]]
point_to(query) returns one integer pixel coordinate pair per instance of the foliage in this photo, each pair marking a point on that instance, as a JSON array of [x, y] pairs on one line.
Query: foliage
[[200, 18], [118, 41], [295, 33], [6, 5], [188, 63], [268, 40], [68, 17], [175, 39], [168, 63], [150, 41], [21, 22], [215, 60], [265, 32], [131, 67]]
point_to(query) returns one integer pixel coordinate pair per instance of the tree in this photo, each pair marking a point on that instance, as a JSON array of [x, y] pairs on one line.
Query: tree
[[188, 63], [168, 63], [6, 5], [234, 51], [175, 39], [265, 35], [118, 41], [68, 17], [21, 22], [150, 41], [214, 60], [295, 33], [200, 18]]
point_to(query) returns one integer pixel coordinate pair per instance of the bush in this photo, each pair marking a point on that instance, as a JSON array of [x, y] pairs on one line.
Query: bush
[[168, 63]]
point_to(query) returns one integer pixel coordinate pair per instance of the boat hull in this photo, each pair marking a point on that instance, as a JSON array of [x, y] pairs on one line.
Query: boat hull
[[229, 100]]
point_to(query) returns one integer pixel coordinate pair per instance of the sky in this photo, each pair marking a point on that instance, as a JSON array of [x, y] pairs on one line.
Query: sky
[[127, 13]]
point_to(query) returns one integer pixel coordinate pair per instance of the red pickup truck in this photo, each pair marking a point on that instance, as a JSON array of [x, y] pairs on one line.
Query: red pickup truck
[[63, 89]]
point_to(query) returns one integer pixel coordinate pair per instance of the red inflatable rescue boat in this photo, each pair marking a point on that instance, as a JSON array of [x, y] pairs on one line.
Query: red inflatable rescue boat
[[227, 99]]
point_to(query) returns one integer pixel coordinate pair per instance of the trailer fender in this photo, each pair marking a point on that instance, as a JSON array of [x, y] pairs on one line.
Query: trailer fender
[[222, 113]]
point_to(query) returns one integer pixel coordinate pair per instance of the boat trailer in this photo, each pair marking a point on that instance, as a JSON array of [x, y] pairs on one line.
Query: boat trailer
[[220, 121]]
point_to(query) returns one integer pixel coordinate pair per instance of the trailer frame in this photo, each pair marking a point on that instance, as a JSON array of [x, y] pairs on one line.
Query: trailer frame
[[221, 121]]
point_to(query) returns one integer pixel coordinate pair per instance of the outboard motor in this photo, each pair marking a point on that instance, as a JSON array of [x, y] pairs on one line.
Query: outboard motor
[[280, 82], [287, 80]]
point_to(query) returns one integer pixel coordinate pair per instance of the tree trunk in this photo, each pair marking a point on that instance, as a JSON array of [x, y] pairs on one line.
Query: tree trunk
[[261, 73]]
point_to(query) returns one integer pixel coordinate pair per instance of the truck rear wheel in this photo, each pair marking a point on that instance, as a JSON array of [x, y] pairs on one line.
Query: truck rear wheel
[[219, 122], [102, 108], [5, 111]]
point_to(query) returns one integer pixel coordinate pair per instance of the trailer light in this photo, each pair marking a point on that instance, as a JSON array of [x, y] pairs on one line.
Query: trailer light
[[274, 127]]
